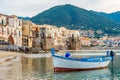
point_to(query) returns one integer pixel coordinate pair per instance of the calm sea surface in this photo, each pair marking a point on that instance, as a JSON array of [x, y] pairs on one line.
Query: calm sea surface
[[40, 67]]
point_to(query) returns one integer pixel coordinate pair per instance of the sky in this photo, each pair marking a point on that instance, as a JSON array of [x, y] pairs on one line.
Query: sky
[[33, 7]]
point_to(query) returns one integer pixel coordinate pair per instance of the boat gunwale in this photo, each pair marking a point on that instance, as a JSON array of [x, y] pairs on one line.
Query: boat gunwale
[[80, 59]]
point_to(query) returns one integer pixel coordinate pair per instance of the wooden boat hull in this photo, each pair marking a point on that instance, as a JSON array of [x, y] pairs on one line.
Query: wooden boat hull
[[62, 64], [57, 69]]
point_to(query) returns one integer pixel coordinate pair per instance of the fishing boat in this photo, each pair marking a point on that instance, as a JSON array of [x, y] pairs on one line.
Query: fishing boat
[[67, 63]]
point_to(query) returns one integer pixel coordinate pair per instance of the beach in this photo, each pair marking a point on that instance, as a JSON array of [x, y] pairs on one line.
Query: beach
[[8, 53]]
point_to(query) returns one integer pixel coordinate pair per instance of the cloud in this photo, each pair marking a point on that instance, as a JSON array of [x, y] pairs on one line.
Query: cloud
[[33, 7], [102, 5]]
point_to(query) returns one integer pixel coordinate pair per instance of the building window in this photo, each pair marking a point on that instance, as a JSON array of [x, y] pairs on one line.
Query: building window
[[42, 36], [72, 35], [2, 30], [19, 23], [36, 29], [37, 35], [19, 33], [8, 31], [2, 22], [15, 32]]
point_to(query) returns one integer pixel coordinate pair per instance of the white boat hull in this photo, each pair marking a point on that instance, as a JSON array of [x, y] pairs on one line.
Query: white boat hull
[[61, 64]]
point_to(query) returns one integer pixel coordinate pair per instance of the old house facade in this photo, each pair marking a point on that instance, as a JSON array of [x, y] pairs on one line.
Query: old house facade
[[10, 30]]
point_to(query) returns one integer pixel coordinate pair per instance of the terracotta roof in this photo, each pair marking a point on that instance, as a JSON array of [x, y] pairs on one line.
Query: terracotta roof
[[3, 15], [84, 39], [12, 16]]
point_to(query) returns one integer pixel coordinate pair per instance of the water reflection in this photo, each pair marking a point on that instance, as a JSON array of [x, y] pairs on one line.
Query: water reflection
[[37, 68], [115, 69], [102, 74]]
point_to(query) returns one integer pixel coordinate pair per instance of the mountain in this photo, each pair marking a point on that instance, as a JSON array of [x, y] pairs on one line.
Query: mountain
[[113, 16], [24, 18], [73, 17]]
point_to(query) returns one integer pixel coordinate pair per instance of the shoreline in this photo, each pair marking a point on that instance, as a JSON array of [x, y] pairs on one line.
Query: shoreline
[[4, 54], [88, 50]]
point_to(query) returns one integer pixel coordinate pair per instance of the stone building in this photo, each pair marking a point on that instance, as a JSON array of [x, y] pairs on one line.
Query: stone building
[[46, 37], [35, 34], [10, 30], [14, 30], [27, 36], [73, 43], [3, 24], [85, 41]]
